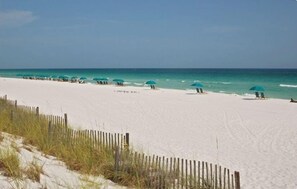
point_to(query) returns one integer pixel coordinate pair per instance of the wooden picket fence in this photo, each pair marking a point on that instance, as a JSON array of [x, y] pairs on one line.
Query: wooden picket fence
[[153, 171]]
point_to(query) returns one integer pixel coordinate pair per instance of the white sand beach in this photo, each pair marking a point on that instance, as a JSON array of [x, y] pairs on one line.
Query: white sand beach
[[258, 138]]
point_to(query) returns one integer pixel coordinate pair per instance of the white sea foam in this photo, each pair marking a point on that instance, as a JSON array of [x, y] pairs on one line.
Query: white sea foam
[[290, 86], [221, 82], [248, 95], [138, 84], [183, 81], [226, 83]]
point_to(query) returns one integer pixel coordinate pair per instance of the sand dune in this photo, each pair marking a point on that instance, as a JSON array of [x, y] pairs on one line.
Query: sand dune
[[258, 138]]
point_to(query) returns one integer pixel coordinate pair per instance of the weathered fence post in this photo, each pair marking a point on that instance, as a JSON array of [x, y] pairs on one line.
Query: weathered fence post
[[5, 97], [127, 139], [50, 128], [37, 111], [117, 161], [15, 103], [117, 158], [65, 118], [237, 180]]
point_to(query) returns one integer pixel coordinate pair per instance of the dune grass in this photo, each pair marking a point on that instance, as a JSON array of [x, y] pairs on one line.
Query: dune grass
[[33, 171], [10, 164]]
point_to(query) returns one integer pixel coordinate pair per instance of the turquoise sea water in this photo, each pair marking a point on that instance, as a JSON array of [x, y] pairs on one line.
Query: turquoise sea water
[[278, 83]]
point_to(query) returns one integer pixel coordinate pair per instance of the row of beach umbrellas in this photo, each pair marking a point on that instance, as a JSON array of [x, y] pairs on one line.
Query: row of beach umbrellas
[[104, 80]]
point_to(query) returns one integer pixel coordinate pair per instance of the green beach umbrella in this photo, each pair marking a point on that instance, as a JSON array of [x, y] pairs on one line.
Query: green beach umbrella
[[150, 82], [118, 80], [74, 79], [197, 85], [257, 88], [64, 77], [54, 77], [100, 79], [82, 79], [41, 76], [27, 75]]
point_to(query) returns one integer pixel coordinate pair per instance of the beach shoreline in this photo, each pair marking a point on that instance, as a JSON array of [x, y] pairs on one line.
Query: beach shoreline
[[255, 137], [278, 83], [248, 95]]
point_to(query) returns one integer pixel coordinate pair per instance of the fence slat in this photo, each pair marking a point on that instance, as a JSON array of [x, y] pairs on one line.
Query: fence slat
[[174, 172], [199, 178], [195, 178], [224, 177], [203, 179], [216, 176], [206, 173], [178, 173], [149, 168], [237, 180], [228, 179], [232, 181], [211, 175], [191, 175]]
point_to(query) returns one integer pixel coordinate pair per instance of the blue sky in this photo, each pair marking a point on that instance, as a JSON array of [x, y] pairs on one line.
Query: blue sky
[[148, 34]]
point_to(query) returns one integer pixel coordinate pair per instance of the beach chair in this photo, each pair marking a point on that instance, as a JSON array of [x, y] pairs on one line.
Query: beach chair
[[257, 94], [197, 89], [262, 95], [201, 90]]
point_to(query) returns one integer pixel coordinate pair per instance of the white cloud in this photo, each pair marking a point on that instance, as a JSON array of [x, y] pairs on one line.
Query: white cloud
[[15, 18]]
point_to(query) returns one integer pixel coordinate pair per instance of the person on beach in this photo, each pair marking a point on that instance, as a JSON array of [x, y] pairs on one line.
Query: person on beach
[[257, 94]]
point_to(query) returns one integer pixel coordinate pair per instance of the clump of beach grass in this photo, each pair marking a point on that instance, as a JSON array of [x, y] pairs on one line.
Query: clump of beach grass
[[87, 182], [10, 164], [33, 171]]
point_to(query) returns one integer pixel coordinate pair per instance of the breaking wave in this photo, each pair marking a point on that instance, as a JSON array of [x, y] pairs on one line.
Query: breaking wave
[[223, 82], [285, 85], [138, 84]]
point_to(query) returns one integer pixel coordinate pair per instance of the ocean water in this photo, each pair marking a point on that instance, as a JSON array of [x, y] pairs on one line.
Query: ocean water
[[278, 83]]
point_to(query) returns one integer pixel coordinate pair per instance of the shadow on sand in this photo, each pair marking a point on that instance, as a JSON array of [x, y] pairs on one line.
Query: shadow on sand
[[251, 99]]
